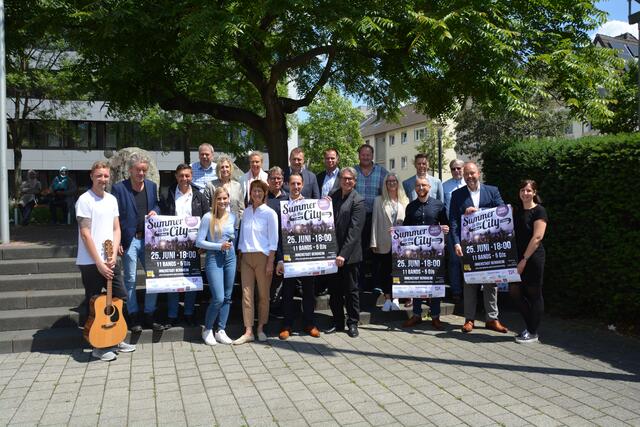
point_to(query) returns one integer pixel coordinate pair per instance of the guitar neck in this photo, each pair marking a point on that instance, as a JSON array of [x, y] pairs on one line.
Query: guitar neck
[[109, 292]]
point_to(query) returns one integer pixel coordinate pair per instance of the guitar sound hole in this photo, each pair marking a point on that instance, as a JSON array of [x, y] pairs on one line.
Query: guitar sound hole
[[112, 313]]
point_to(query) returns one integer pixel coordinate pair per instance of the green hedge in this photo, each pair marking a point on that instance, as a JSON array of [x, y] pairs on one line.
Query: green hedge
[[591, 192]]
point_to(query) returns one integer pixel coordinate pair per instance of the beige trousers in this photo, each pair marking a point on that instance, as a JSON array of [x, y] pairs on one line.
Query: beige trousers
[[253, 268]]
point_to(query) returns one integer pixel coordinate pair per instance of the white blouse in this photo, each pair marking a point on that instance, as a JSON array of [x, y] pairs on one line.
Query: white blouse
[[258, 230]]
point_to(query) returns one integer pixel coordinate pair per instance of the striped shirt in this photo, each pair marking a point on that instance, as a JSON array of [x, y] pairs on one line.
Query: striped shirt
[[202, 176], [370, 186]]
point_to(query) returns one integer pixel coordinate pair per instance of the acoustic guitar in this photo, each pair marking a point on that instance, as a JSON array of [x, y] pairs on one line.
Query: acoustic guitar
[[105, 326]]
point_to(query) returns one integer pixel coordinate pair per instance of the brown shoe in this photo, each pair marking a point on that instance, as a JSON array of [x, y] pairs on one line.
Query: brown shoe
[[495, 325], [412, 321], [285, 333], [436, 323], [313, 331], [468, 326]]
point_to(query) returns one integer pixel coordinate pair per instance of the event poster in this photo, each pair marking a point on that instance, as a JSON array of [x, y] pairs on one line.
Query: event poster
[[171, 256], [417, 254], [308, 237], [489, 246]]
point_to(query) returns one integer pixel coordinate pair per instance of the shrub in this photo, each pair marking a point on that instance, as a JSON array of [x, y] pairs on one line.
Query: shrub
[[590, 193]]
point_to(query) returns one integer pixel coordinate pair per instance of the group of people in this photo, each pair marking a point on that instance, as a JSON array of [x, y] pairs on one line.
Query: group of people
[[240, 223], [59, 195]]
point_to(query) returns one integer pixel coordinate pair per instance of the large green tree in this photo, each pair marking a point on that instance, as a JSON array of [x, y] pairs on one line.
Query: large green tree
[[228, 58], [333, 122], [625, 103], [39, 80]]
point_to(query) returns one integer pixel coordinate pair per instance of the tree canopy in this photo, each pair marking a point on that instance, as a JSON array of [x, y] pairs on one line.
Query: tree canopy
[[625, 103], [228, 59], [333, 122]]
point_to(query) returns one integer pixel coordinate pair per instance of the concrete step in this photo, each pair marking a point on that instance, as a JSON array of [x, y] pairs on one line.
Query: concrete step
[[38, 266], [70, 337], [38, 252], [48, 281], [38, 318], [20, 300]]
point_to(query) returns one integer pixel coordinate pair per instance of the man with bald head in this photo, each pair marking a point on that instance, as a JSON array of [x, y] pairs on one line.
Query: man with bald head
[[466, 200]]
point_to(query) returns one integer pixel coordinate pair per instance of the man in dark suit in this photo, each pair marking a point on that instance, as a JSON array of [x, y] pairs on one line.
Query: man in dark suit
[[466, 200], [296, 164], [328, 180], [349, 217], [137, 197]]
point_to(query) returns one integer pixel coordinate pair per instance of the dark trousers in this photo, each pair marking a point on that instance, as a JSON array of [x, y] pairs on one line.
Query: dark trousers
[[308, 300], [26, 212], [344, 292], [53, 210], [383, 271], [366, 269], [94, 283]]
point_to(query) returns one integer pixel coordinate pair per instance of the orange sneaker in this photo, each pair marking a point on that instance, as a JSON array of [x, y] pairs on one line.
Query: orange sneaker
[[285, 333], [313, 331]]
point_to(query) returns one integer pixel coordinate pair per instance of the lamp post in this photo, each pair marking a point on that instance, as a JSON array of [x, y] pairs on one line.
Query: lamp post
[[634, 18], [4, 176]]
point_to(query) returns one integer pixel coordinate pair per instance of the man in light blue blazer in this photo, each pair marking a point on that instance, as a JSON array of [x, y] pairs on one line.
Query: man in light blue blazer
[[422, 167], [465, 200], [137, 197]]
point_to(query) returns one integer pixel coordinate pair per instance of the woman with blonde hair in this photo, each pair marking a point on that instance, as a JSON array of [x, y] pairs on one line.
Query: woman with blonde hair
[[224, 170], [216, 236], [257, 243], [388, 211]]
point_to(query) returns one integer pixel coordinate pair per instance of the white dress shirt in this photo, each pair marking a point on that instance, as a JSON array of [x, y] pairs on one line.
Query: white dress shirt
[[259, 230], [183, 202]]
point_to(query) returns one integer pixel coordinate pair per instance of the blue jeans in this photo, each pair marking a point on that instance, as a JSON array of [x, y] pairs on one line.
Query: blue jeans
[[434, 306], [130, 259], [173, 301], [455, 269], [220, 267]]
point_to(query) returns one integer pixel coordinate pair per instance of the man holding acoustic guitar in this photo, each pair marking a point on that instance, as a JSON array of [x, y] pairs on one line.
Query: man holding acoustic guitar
[[98, 235]]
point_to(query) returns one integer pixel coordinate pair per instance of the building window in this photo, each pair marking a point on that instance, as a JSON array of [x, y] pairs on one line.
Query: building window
[[392, 164], [403, 138], [403, 162], [366, 141], [419, 134], [568, 130], [392, 140]]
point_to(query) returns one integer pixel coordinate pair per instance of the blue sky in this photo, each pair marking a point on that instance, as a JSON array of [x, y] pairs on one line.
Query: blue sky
[[618, 14]]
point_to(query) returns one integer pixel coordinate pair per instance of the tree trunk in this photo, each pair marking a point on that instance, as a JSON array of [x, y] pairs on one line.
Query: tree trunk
[[276, 136], [186, 144], [16, 140]]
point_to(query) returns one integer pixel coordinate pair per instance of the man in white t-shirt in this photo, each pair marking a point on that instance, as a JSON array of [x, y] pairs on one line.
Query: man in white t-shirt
[[97, 216]]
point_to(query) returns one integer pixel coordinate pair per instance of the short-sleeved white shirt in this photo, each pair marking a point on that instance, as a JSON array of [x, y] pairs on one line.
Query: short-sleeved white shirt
[[102, 211]]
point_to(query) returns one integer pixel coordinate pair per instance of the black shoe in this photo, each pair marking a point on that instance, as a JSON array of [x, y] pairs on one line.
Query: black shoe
[[135, 326], [171, 322], [353, 331], [150, 323], [190, 320], [334, 329]]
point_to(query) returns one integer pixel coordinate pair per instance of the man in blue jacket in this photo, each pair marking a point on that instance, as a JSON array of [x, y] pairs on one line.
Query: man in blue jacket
[[464, 201], [137, 197]]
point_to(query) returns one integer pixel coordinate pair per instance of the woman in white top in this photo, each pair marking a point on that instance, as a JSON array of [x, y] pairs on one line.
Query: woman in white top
[[257, 243], [224, 169], [388, 211]]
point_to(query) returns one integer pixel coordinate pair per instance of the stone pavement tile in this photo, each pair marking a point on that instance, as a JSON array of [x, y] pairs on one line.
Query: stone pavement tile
[[543, 420], [443, 399], [608, 421], [490, 409], [523, 410], [60, 418], [231, 421], [385, 398], [85, 420], [534, 401], [555, 411], [283, 415], [412, 419], [14, 392], [398, 408], [317, 415], [586, 412], [619, 413], [444, 419], [111, 421], [512, 420], [576, 420], [595, 401], [459, 409], [477, 419], [378, 418]]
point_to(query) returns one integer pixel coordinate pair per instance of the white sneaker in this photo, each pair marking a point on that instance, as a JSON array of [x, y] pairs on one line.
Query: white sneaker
[[104, 354], [262, 337], [207, 336], [395, 305], [123, 347], [222, 338], [387, 305]]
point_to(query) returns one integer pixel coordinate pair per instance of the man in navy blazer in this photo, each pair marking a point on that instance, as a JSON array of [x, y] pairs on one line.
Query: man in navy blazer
[[465, 200], [137, 197], [296, 164]]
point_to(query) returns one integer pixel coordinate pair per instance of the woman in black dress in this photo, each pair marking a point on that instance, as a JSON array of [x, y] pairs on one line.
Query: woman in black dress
[[530, 224]]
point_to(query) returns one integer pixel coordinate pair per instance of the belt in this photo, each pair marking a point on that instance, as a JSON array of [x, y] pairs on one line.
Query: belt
[[139, 234]]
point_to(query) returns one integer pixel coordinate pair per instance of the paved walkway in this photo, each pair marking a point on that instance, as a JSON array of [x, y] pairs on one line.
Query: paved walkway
[[577, 376]]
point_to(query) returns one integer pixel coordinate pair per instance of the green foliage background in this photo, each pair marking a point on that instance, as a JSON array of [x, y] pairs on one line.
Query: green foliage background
[[594, 219]]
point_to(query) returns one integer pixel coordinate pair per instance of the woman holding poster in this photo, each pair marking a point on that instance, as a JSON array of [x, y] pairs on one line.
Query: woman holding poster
[[388, 211], [258, 243], [530, 225], [216, 234]]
